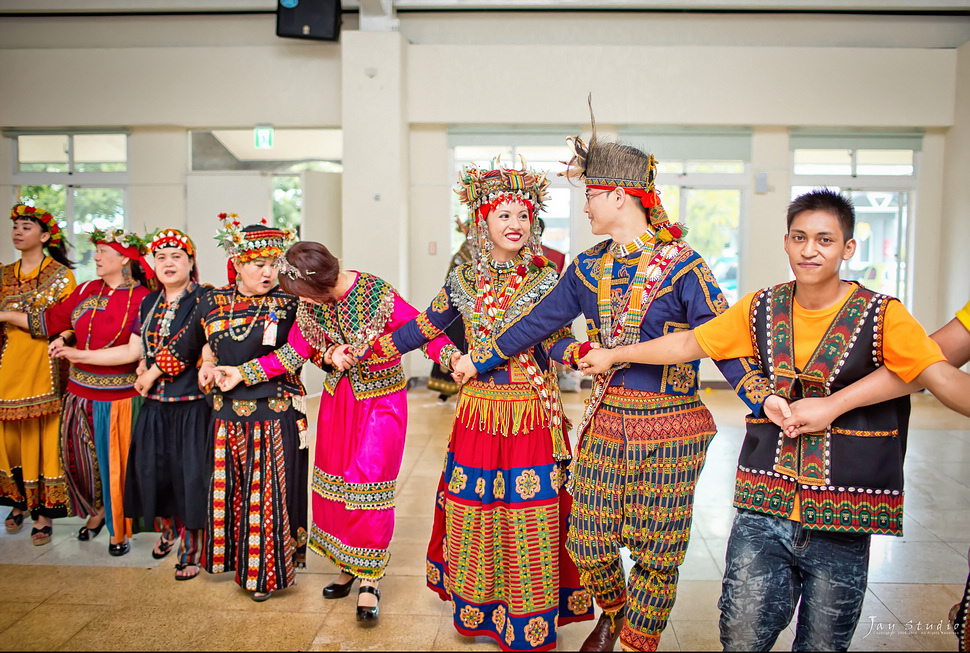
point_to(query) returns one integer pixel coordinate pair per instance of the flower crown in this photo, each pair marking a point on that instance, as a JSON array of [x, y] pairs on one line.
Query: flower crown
[[22, 211], [172, 238], [122, 237], [245, 246], [478, 187]]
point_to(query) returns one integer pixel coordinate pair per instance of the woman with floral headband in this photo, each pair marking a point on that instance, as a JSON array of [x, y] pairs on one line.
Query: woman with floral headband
[[257, 494], [497, 547], [31, 474], [363, 412], [101, 403], [166, 478]]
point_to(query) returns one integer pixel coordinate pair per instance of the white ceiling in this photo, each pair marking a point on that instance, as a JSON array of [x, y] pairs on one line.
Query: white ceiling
[[181, 6]]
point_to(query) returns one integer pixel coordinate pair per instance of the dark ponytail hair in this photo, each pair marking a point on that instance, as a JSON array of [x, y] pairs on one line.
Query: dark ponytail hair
[[138, 274]]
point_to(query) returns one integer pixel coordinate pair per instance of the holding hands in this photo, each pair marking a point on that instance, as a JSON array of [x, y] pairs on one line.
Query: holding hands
[[597, 360], [464, 370], [343, 357], [226, 377]]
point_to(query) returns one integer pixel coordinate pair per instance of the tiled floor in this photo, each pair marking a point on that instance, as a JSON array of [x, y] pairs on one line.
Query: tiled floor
[[71, 595]]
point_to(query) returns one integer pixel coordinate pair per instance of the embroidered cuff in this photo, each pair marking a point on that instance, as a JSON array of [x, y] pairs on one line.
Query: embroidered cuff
[[289, 358], [444, 356], [384, 348], [572, 354], [428, 330], [253, 373], [36, 324]]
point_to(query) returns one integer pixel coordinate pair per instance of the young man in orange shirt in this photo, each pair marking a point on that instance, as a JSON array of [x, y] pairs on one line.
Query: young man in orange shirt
[[807, 505]]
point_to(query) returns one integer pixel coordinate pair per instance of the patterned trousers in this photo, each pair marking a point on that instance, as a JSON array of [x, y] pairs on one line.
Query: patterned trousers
[[633, 486]]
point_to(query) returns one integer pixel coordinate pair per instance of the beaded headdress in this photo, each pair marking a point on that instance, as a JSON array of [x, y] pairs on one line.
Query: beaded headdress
[[172, 238], [243, 245], [126, 243], [22, 211], [482, 190], [608, 165]]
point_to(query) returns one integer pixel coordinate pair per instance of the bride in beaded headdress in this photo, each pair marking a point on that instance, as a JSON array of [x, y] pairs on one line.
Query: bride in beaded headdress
[[497, 546], [363, 411]]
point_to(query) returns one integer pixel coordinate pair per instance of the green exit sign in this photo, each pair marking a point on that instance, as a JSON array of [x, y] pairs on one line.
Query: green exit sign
[[263, 137]]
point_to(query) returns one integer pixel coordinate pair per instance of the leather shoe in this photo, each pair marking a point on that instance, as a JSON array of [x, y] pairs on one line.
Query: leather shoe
[[119, 549], [335, 591], [85, 533], [603, 637], [365, 613]]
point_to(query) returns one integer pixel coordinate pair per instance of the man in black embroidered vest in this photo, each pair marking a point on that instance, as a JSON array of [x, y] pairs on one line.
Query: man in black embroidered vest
[[807, 505]]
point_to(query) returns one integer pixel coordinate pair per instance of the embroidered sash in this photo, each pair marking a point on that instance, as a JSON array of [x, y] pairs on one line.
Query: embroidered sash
[[808, 457], [657, 270]]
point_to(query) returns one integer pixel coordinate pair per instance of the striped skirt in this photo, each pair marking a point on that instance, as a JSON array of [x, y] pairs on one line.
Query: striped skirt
[[257, 493], [95, 438], [497, 547]]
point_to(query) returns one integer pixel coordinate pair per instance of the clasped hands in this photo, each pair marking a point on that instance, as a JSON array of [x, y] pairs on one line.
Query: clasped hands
[[794, 418]]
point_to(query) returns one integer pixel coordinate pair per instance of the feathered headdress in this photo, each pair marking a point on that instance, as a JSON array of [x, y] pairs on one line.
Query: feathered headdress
[[608, 165]]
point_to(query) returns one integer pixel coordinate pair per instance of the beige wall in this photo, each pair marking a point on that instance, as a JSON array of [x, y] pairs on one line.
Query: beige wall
[[395, 95]]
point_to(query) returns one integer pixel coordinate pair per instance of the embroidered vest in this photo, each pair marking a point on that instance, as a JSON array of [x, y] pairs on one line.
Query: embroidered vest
[[849, 477]]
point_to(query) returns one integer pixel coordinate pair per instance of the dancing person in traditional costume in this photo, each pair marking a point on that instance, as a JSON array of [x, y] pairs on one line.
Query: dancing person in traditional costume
[[808, 505], [644, 433], [497, 547], [439, 379], [31, 383], [101, 403], [257, 492], [166, 478], [363, 411]]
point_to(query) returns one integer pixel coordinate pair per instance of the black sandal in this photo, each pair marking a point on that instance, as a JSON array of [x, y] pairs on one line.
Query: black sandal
[[164, 547], [366, 613], [181, 566], [18, 522], [46, 533]]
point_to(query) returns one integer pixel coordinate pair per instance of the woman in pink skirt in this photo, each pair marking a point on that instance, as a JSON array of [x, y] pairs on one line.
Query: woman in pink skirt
[[363, 411]]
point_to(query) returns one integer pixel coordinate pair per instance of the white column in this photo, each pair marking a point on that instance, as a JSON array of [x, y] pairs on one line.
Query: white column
[[375, 176]]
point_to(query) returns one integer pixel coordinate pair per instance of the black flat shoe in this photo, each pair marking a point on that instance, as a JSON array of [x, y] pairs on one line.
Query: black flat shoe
[[259, 597], [335, 591], [367, 614], [119, 549], [85, 533]]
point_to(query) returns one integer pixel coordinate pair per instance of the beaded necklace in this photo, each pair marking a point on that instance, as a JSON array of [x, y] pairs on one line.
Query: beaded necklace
[[631, 313], [165, 323], [489, 311], [232, 327], [94, 312]]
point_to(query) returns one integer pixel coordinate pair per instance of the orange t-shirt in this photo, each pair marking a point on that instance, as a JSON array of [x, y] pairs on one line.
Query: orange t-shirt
[[907, 350]]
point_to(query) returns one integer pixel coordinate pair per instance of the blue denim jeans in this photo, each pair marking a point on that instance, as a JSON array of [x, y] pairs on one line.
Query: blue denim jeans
[[770, 563]]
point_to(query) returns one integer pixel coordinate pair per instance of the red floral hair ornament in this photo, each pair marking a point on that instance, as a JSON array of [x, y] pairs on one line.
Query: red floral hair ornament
[[24, 212]]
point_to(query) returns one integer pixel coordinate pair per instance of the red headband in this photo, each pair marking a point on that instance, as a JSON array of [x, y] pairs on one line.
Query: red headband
[[132, 253], [648, 198]]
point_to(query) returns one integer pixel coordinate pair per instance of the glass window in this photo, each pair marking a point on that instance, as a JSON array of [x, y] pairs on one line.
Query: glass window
[[43, 153], [100, 152], [713, 217], [884, 162], [94, 208], [287, 202], [823, 162]]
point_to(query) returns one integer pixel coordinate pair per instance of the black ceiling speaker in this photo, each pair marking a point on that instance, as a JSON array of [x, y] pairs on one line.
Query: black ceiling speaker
[[308, 19]]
